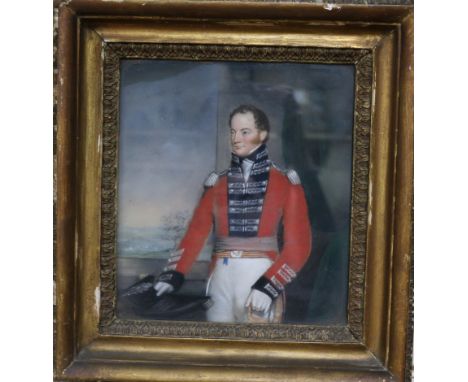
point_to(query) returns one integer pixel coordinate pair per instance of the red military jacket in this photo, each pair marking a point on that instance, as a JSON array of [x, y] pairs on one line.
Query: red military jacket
[[284, 199]]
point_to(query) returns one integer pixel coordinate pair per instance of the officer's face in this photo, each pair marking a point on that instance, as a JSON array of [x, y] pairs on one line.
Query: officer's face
[[245, 136]]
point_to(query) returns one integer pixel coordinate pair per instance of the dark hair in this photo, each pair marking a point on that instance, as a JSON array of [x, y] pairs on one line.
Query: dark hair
[[261, 120]]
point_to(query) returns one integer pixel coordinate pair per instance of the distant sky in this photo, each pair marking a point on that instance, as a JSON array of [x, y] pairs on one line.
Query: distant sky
[[167, 140]]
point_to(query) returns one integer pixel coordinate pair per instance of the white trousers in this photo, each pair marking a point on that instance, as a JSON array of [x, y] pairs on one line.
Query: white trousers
[[230, 285]]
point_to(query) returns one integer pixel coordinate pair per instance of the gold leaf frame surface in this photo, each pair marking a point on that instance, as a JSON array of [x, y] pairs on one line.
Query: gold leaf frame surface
[[90, 342]]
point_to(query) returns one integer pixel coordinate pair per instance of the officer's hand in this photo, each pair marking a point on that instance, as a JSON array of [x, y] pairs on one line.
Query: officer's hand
[[259, 301], [161, 287]]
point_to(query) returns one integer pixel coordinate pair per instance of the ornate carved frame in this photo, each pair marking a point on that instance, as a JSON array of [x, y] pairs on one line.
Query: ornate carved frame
[[91, 343], [362, 59]]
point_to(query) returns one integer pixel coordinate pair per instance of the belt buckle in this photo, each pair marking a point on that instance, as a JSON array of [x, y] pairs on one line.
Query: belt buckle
[[236, 254]]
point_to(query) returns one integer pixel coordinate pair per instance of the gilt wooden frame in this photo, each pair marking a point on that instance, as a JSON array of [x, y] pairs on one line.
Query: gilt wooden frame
[[91, 344]]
